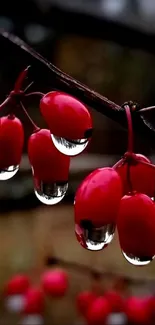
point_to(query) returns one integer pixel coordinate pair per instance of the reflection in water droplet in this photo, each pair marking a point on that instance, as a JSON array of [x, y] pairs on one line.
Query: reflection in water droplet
[[51, 193], [94, 239], [15, 303], [8, 172], [152, 198], [32, 320], [69, 147], [139, 261]]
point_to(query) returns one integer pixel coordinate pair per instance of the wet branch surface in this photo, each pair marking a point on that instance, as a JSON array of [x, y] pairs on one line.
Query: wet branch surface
[[101, 104]]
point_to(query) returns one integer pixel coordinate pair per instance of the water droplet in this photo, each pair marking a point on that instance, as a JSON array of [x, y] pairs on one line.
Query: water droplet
[[69, 147], [32, 320], [15, 303], [138, 261], [94, 239], [8, 172], [116, 318], [50, 193]]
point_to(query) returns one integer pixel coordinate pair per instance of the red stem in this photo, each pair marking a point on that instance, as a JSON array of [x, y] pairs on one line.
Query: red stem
[[20, 79], [36, 128], [130, 129]]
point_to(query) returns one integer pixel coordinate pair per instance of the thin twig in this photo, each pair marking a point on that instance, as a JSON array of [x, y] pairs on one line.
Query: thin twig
[[28, 86], [146, 109], [6, 101], [84, 269]]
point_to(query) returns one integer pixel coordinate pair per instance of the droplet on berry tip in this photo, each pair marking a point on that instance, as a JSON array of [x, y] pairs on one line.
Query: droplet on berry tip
[[138, 261], [116, 318], [8, 172], [92, 238], [50, 193], [69, 147], [15, 303]]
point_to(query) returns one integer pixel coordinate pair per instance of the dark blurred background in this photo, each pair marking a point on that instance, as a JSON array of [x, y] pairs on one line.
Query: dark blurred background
[[109, 46]]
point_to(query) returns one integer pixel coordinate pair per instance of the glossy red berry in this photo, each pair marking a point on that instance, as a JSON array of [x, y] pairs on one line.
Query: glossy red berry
[[69, 121], [116, 301], [137, 311], [136, 228], [50, 168], [98, 312], [84, 300], [55, 283], [142, 177], [151, 308], [32, 313], [14, 292], [34, 301], [11, 146], [96, 207]]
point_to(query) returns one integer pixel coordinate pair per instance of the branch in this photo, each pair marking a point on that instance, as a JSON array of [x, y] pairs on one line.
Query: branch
[[93, 272], [91, 98]]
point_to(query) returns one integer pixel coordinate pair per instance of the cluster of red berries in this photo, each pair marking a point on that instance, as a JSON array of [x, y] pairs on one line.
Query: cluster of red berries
[[120, 196], [49, 150], [114, 309], [21, 297]]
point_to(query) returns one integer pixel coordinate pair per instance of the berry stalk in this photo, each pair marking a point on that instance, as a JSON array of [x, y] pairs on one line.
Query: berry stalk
[[130, 144], [20, 79], [130, 129], [36, 128], [38, 93]]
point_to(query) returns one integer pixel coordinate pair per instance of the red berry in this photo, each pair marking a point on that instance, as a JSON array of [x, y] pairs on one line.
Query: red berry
[[48, 163], [137, 311], [68, 120], [34, 301], [55, 282], [98, 312], [116, 301], [142, 176], [50, 168], [11, 145], [84, 301], [17, 285], [136, 228], [65, 116], [151, 307], [96, 207]]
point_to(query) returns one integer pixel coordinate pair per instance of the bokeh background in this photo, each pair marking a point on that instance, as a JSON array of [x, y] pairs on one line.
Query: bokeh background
[[109, 46]]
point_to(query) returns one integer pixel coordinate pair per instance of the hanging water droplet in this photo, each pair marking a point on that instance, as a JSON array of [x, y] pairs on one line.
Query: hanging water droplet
[[69, 147], [8, 172], [32, 320], [139, 261], [50, 193], [116, 318], [15, 303], [94, 239]]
